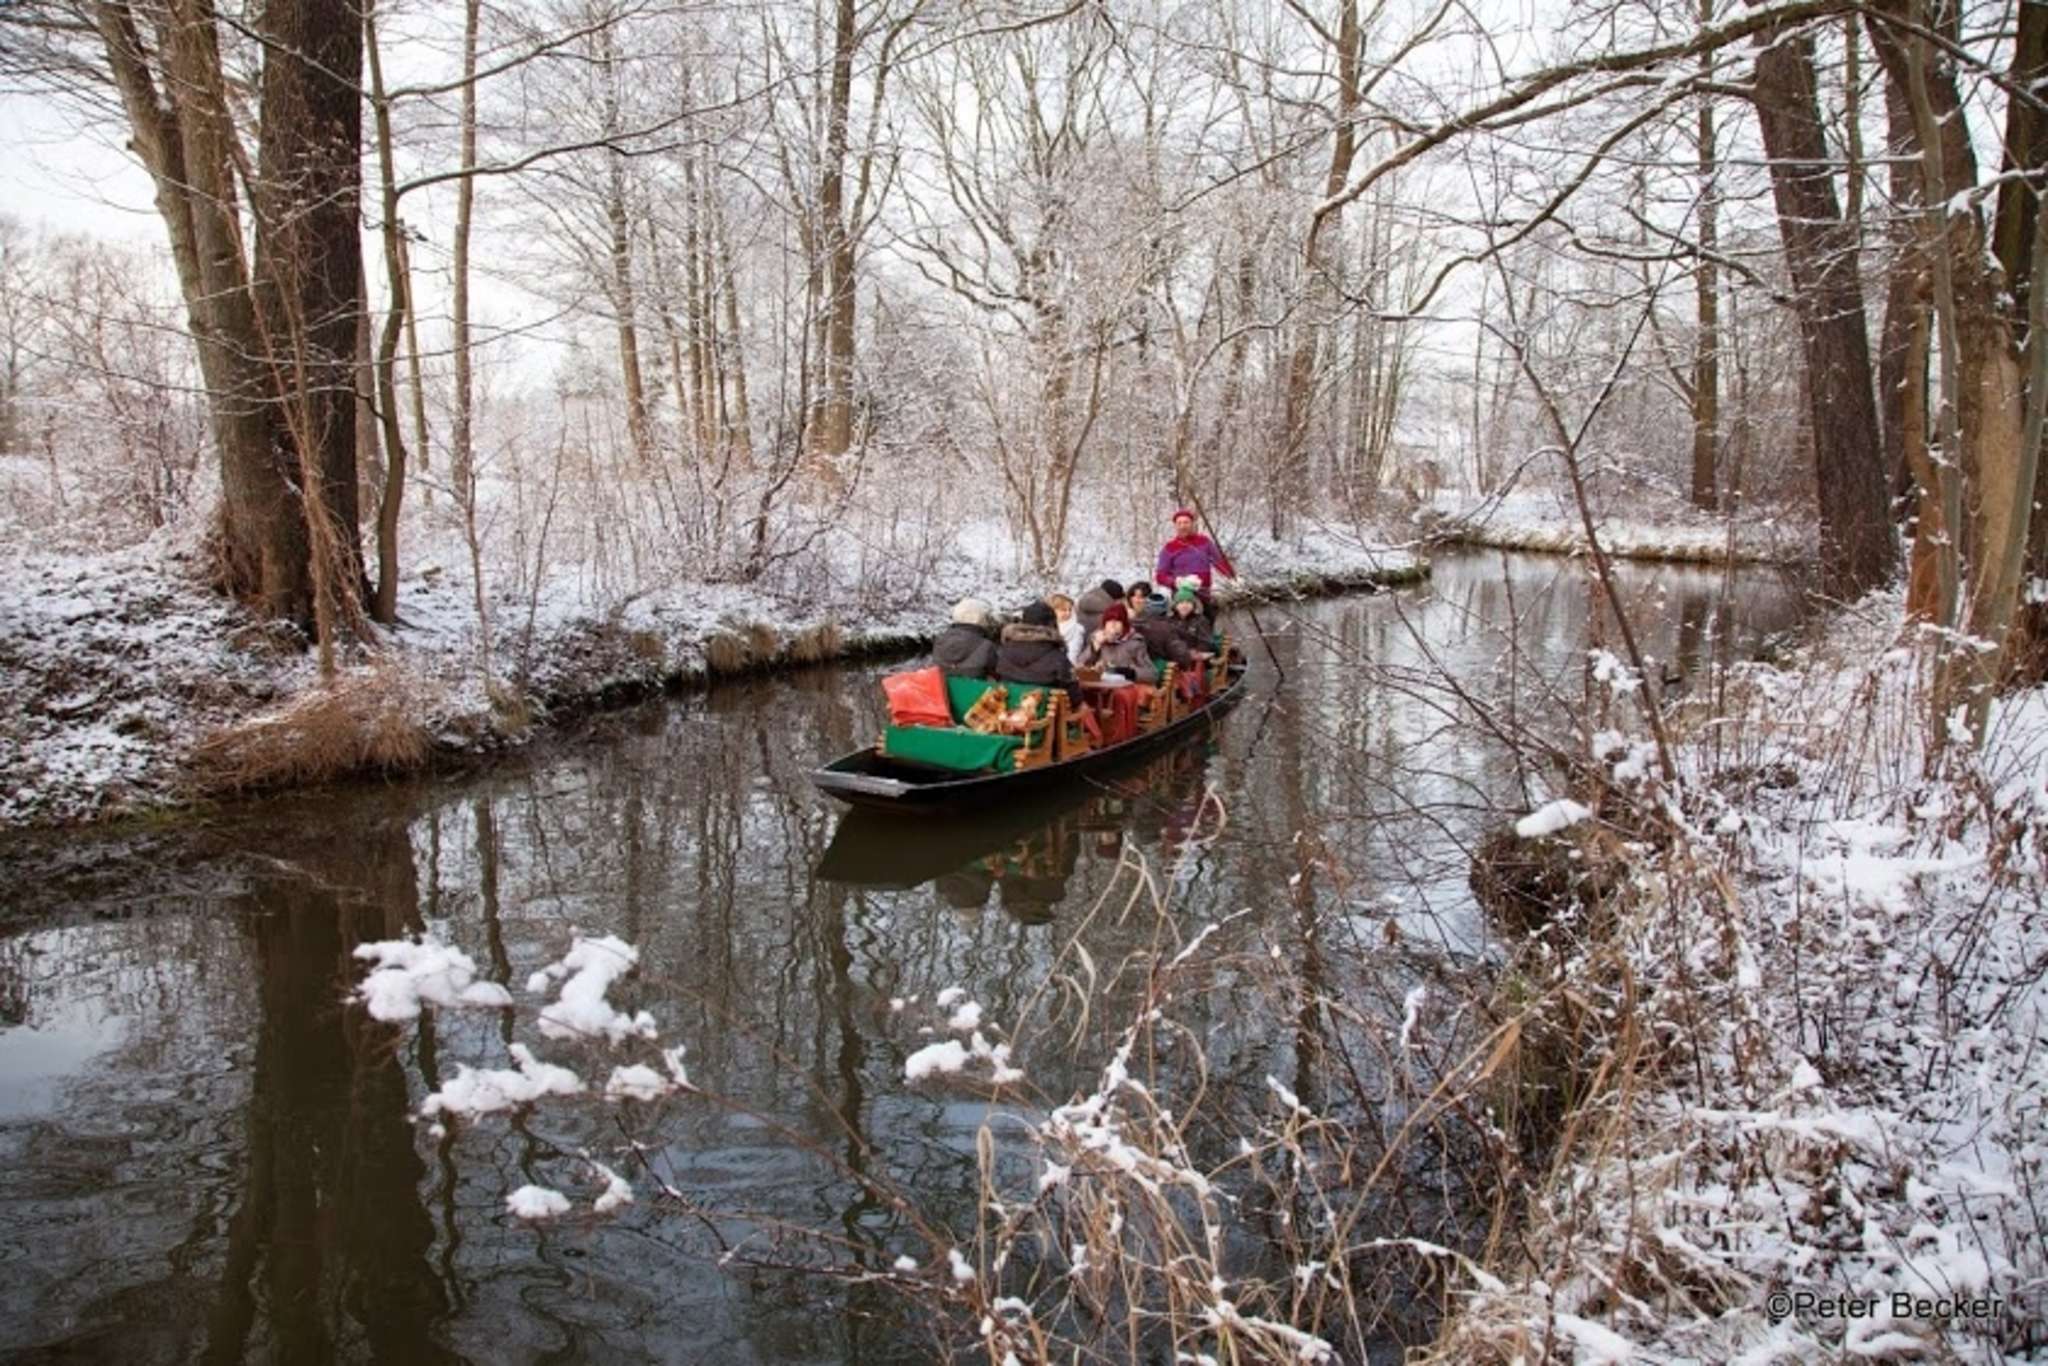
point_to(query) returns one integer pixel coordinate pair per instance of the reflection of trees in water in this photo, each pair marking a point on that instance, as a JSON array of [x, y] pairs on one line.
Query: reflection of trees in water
[[328, 1248], [109, 1185], [261, 1124], [15, 959], [672, 839]]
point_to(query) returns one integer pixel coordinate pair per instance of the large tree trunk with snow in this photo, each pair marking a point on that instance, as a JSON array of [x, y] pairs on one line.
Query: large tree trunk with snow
[[1990, 431], [1930, 572], [309, 274], [275, 344], [1856, 549], [186, 138], [1905, 306]]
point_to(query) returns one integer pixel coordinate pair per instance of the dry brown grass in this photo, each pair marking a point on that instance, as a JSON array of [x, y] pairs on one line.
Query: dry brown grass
[[364, 721], [756, 645], [726, 653], [816, 644]]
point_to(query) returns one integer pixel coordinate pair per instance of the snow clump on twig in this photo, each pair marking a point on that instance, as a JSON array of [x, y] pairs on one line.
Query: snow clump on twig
[[953, 1056], [537, 1202], [581, 1010], [475, 1091], [1548, 820], [411, 973]]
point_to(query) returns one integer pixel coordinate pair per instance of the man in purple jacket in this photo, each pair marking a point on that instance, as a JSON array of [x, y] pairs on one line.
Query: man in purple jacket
[[1189, 553]]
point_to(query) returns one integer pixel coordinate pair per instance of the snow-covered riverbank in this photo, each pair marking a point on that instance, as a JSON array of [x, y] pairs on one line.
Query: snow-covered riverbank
[[1819, 1124], [1644, 529], [119, 665]]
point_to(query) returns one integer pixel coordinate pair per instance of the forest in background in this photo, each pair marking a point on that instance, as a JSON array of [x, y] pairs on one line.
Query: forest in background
[[844, 282]]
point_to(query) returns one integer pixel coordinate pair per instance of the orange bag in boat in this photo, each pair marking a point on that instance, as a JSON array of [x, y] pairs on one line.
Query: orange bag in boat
[[917, 697]]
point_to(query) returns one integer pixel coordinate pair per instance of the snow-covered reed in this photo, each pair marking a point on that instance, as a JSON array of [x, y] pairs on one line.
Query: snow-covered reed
[[1811, 1027]]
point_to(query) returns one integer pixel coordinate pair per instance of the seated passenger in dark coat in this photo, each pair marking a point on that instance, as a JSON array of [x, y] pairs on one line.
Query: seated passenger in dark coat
[[1163, 635], [1111, 648], [1032, 651], [967, 648]]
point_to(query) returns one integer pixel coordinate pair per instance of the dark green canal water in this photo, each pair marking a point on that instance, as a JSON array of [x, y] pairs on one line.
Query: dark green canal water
[[206, 1155]]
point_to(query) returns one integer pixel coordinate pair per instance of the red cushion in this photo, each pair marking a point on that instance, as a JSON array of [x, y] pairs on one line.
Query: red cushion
[[917, 697]]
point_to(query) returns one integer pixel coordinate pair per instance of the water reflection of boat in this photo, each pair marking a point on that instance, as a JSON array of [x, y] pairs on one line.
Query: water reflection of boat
[[1024, 849], [866, 778]]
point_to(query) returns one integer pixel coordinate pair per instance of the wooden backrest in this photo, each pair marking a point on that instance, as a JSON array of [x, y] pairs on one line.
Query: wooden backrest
[[963, 693]]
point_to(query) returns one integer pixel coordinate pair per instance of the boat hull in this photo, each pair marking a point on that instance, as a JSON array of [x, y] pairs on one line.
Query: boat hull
[[867, 779]]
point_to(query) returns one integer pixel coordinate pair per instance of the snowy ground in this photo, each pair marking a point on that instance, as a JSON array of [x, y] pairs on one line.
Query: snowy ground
[[1840, 1150], [117, 663], [1633, 526]]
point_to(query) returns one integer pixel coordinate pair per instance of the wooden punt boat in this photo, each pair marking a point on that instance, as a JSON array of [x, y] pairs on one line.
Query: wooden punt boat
[[866, 778]]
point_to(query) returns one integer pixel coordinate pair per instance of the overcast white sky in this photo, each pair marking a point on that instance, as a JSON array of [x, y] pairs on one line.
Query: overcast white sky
[[68, 179], [62, 176]]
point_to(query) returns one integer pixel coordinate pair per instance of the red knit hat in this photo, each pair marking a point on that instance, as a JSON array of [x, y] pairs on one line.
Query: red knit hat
[[1116, 611], [1179, 513]]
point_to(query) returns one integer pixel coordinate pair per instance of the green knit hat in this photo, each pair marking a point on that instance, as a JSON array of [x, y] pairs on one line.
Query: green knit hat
[[1186, 595]]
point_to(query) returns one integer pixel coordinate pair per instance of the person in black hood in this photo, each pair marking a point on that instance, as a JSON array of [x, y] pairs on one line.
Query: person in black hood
[[1032, 651], [967, 648], [1088, 610]]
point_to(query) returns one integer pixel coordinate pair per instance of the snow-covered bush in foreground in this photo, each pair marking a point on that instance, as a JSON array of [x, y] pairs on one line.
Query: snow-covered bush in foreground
[[1818, 1042]]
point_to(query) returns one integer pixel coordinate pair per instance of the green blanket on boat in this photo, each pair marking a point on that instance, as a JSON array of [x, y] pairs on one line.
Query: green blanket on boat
[[963, 751]]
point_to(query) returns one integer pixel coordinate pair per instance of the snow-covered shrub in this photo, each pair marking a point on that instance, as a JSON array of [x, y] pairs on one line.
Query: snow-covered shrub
[[1820, 1063]]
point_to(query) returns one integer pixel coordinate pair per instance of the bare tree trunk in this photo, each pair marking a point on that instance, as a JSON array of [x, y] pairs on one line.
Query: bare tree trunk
[[1852, 125], [384, 606], [1933, 557], [1209, 465], [414, 379], [1381, 364], [277, 366], [1291, 482], [1856, 547], [461, 434], [832, 427], [369, 439], [726, 279], [2026, 148], [680, 369], [1480, 482], [309, 276], [1905, 305], [625, 305], [1991, 423], [698, 309], [183, 135], [1706, 362]]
